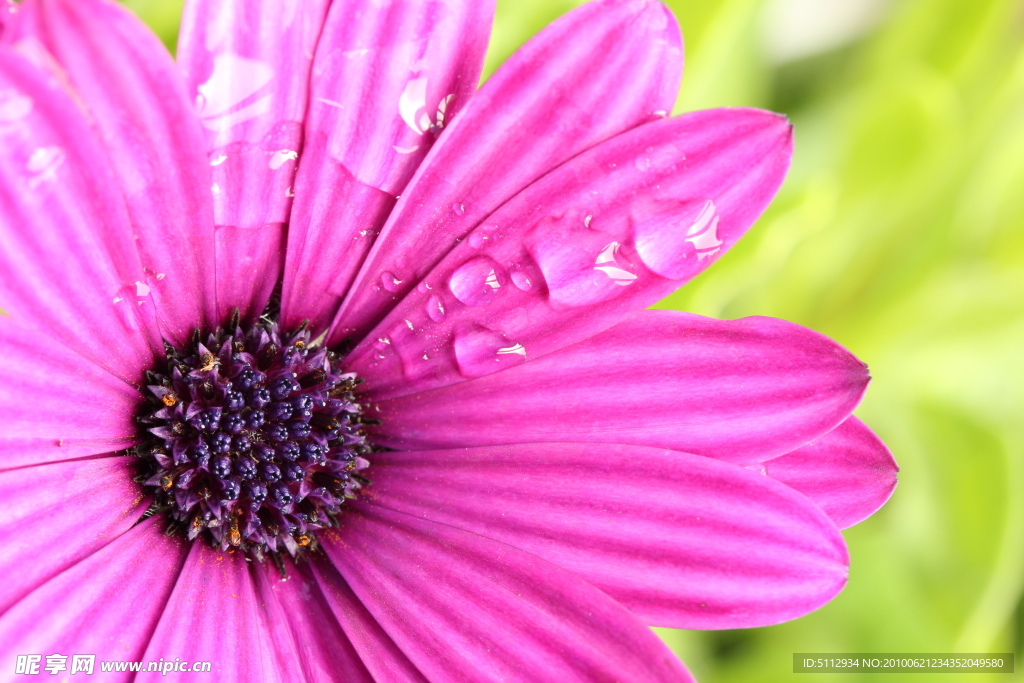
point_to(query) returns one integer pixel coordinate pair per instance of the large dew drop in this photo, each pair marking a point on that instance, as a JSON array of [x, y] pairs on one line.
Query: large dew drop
[[480, 351], [477, 281]]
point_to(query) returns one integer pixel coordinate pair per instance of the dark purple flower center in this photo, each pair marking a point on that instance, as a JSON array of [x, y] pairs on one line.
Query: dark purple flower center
[[253, 439]]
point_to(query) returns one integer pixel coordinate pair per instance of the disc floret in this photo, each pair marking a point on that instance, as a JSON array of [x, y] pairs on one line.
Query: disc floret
[[253, 439]]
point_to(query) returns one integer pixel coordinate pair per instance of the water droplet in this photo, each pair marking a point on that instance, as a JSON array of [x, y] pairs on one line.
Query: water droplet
[[43, 164], [435, 309], [129, 303], [390, 281], [14, 106], [642, 163], [235, 79], [521, 280], [442, 109], [460, 209], [480, 351], [477, 281], [663, 243], [518, 348], [476, 240], [278, 158], [608, 263], [218, 159], [412, 101]]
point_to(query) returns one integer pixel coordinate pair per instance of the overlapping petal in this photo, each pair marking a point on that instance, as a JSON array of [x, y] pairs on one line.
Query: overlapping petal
[[608, 233], [849, 472], [744, 390], [601, 69], [214, 614], [53, 516], [55, 404], [107, 605], [137, 103], [301, 623], [386, 79], [247, 67], [68, 265], [382, 657], [466, 608], [681, 540]]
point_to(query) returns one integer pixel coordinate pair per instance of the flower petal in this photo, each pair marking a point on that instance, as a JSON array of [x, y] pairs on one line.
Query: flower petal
[[464, 607], [606, 234], [57, 405], [104, 605], [68, 266], [54, 516], [601, 69], [383, 86], [849, 473], [382, 657], [681, 540], [247, 67], [739, 390], [137, 102], [302, 624], [214, 615]]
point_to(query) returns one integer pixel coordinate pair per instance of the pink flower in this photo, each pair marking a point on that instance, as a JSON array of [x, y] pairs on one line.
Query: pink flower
[[551, 467]]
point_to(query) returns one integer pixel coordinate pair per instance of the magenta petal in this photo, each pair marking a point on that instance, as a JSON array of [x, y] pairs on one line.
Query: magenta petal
[[68, 265], [57, 405], [247, 66], [383, 659], [739, 390], [382, 88], [466, 608], [215, 615], [679, 539], [301, 624], [53, 516], [848, 472], [107, 605], [601, 69], [137, 102], [606, 234]]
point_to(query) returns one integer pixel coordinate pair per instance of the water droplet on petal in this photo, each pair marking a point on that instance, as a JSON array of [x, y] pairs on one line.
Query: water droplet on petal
[[412, 101], [278, 158], [477, 281], [666, 239], [14, 106], [608, 263], [43, 164], [521, 280], [480, 351], [459, 209], [390, 281], [129, 303], [476, 240], [435, 308]]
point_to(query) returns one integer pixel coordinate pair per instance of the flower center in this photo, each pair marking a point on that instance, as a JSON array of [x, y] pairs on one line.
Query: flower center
[[253, 439]]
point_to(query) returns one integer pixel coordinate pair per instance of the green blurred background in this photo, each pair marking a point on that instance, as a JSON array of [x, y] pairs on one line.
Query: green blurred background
[[898, 233]]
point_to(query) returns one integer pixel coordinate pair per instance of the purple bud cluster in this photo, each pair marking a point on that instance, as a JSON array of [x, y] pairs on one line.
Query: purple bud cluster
[[252, 439]]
